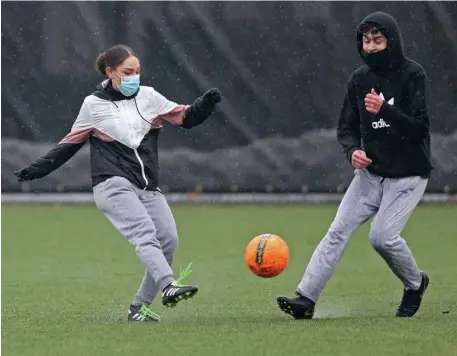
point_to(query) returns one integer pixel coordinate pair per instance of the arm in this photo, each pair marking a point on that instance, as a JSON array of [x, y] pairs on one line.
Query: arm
[[65, 149], [415, 118], [348, 131], [201, 109], [188, 116]]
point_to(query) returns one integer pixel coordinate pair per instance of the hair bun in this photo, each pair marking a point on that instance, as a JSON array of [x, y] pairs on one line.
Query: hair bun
[[113, 57], [101, 63]]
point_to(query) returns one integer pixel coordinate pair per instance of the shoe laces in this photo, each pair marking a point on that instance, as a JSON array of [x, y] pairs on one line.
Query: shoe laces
[[148, 313], [183, 274]]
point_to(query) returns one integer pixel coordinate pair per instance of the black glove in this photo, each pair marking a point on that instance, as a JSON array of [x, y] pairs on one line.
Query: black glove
[[212, 96], [23, 174], [202, 108]]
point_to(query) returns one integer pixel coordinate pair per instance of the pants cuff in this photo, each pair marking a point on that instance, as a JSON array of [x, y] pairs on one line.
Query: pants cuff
[[165, 281]]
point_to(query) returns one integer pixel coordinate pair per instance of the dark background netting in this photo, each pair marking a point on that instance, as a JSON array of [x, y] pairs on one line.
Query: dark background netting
[[282, 68]]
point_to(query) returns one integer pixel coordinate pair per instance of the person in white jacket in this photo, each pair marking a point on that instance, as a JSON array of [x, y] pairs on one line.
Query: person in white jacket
[[122, 121]]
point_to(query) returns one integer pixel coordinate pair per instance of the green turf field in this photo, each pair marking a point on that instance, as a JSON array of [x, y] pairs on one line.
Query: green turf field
[[68, 278]]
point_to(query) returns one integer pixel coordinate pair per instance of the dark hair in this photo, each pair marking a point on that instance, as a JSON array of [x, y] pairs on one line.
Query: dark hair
[[113, 57], [372, 28]]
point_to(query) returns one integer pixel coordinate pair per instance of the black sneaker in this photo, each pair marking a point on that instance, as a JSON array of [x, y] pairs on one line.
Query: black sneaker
[[176, 292], [299, 307], [141, 313], [412, 299]]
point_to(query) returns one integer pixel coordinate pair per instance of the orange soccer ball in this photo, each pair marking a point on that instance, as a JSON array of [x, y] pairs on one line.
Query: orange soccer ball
[[267, 255]]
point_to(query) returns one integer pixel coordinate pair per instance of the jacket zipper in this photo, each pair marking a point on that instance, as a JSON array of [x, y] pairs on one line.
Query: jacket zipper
[[142, 168], [143, 173]]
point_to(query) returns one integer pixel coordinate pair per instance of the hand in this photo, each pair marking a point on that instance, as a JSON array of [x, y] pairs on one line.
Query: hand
[[359, 159], [22, 175], [373, 102], [212, 96]]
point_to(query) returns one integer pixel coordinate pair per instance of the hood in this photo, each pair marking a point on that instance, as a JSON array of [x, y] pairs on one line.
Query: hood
[[395, 56]]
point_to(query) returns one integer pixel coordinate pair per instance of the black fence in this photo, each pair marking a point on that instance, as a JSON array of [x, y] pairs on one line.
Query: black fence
[[282, 68]]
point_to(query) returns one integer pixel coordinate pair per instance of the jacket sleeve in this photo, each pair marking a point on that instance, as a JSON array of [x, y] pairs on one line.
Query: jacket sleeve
[[348, 130], [167, 110], [185, 116], [414, 120], [201, 109], [65, 149]]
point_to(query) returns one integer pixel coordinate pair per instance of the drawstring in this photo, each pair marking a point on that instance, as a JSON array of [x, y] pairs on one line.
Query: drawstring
[[136, 105]]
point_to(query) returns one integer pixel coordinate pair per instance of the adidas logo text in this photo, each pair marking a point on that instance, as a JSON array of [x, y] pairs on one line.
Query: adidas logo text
[[380, 124]]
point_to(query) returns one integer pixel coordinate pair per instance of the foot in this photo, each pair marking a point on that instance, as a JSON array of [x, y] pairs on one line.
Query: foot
[[412, 299], [141, 313], [175, 292], [299, 307]]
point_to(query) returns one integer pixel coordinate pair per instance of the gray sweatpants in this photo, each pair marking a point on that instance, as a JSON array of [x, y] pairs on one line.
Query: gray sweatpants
[[391, 202], [145, 220]]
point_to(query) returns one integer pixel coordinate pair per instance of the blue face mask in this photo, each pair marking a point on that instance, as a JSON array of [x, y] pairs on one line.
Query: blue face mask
[[129, 84]]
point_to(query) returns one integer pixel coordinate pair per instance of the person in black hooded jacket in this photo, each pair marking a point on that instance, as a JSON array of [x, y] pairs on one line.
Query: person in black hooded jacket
[[384, 132]]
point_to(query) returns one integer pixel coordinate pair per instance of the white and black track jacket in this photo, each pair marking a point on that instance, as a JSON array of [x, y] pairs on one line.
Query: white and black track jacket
[[122, 132]]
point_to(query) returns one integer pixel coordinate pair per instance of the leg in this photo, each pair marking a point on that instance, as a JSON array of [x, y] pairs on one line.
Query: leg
[[400, 198], [147, 291], [159, 211], [161, 215], [118, 200], [359, 204], [167, 234]]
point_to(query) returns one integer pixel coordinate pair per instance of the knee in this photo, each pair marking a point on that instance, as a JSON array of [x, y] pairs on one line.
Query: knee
[[145, 241], [339, 233], [143, 236], [335, 236], [380, 238]]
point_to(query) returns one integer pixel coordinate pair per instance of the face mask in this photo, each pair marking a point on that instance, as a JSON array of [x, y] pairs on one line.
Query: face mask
[[129, 84], [378, 60]]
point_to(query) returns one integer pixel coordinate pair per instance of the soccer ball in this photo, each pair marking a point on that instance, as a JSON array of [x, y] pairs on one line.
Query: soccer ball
[[267, 255]]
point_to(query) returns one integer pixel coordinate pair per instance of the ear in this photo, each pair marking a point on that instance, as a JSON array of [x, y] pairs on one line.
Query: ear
[[109, 72]]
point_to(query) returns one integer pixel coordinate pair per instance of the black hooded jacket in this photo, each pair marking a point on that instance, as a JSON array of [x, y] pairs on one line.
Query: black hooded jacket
[[397, 139]]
